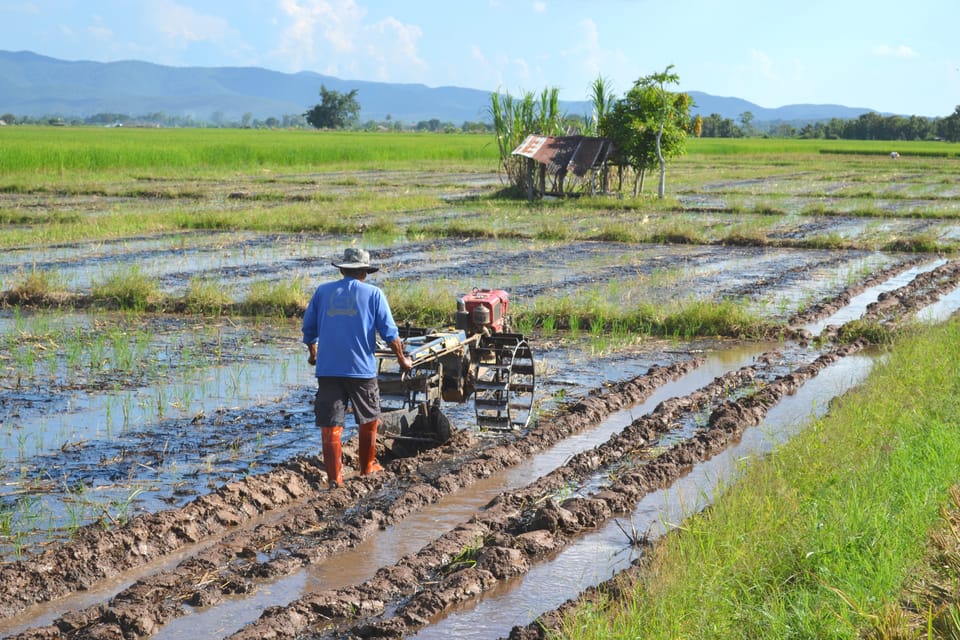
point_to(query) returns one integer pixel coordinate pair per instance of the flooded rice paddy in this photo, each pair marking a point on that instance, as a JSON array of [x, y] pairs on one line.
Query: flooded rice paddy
[[159, 473]]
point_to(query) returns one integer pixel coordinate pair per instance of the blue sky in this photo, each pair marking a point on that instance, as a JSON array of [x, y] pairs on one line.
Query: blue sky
[[896, 57]]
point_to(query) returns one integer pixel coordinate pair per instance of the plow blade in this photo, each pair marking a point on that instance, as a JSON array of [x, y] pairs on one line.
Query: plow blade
[[410, 431]]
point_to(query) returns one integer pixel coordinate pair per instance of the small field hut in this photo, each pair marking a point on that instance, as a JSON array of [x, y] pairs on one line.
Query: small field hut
[[564, 158]]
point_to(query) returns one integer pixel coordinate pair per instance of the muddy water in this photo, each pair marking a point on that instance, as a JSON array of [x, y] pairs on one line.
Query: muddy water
[[603, 553], [69, 454], [942, 309], [386, 547], [105, 416], [858, 304], [232, 258]]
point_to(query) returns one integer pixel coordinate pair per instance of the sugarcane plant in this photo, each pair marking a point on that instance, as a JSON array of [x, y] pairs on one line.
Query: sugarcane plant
[[516, 118]]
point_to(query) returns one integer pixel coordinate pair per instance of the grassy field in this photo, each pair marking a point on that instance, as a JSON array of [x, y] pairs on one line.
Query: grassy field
[[52, 151]]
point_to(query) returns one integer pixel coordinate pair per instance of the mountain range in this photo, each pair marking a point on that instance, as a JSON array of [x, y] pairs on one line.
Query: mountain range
[[35, 85]]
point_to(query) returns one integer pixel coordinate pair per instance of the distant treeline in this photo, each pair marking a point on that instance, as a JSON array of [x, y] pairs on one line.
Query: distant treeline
[[869, 126], [246, 121]]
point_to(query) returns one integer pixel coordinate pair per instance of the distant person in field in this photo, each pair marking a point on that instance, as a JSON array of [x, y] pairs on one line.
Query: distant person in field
[[340, 330]]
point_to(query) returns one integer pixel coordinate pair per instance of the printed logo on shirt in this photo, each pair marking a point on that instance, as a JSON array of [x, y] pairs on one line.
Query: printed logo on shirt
[[342, 305]]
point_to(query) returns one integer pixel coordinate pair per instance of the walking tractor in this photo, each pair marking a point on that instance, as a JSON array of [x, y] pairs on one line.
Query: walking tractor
[[479, 358]]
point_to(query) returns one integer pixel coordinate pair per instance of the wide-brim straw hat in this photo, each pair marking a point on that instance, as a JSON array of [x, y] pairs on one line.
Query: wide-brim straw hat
[[356, 258]]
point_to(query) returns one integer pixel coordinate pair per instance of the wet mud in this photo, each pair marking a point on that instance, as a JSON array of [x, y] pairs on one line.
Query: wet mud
[[237, 499], [245, 534]]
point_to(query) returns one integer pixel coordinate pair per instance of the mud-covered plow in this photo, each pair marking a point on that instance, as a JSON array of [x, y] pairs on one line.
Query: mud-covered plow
[[478, 359]]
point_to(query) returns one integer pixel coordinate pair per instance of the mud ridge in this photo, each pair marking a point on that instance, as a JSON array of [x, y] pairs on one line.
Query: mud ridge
[[726, 425], [891, 306], [923, 291], [143, 607], [826, 308], [576, 515], [524, 526]]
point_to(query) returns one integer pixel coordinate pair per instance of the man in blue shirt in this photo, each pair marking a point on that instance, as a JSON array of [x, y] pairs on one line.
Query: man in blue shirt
[[340, 328]]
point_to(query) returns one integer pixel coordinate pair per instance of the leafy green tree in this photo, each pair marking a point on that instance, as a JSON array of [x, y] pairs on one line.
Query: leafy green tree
[[335, 111], [649, 125], [716, 126], [950, 127]]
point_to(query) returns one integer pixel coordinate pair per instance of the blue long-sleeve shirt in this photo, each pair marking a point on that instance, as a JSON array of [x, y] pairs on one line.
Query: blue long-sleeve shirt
[[344, 318]]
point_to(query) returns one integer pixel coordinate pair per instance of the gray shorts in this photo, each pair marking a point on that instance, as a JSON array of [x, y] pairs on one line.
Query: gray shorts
[[333, 394]]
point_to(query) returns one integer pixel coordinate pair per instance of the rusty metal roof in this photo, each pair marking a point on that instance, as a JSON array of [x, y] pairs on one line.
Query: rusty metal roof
[[573, 154]]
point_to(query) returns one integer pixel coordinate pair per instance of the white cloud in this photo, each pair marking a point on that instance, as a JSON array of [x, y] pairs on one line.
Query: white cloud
[[763, 64], [899, 51], [182, 25], [337, 34], [591, 59], [476, 53], [393, 44], [523, 70], [484, 69], [98, 31], [594, 55], [540, 7]]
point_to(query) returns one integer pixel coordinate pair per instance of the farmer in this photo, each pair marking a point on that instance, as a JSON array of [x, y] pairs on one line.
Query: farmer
[[340, 328]]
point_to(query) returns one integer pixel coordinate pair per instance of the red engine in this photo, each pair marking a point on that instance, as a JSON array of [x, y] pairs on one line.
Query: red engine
[[483, 311]]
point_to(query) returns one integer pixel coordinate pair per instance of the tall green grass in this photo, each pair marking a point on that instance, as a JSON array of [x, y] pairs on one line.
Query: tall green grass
[[767, 146], [818, 540], [62, 150]]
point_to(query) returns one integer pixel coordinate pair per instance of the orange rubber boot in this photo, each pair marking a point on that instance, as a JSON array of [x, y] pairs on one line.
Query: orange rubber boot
[[368, 448], [332, 451]]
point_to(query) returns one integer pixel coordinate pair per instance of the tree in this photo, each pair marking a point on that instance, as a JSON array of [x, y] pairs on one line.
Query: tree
[[335, 111], [667, 112], [649, 125], [950, 127]]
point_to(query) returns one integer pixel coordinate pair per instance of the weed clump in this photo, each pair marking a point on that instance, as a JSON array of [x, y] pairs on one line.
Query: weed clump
[[36, 286], [128, 289], [283, 299], [870, 330], [205, 296]]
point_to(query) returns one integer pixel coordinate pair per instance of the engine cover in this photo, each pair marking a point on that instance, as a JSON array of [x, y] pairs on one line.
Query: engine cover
[[485, 311]]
